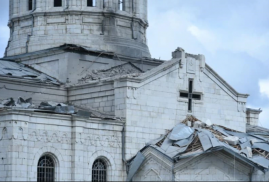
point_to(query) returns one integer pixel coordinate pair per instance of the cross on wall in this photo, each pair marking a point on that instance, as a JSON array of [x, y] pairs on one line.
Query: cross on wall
[[190, 95]]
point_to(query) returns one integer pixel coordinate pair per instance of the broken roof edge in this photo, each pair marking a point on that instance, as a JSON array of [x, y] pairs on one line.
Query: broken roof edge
[[224, 83], [50, 114], [54, 81], [79, 49], [253, 111], [31, 81], [176, 158]]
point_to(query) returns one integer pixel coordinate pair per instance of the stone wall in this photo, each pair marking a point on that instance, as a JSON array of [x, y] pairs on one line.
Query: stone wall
[[99, 97], [107, 29], [153, 107], [73, 143]]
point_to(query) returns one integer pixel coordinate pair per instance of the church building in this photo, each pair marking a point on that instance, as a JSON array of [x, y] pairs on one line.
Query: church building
[[81, 99]]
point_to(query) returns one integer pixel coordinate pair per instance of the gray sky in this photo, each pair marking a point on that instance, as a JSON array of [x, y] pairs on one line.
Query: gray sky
[[232, 34]]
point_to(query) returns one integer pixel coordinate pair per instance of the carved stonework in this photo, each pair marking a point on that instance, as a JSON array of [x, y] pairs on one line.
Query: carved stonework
[[63, 137], [124, 69], [7, 133], [191, 65]]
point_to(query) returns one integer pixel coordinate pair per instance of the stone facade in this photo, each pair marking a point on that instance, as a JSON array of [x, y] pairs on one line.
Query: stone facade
[[73, 143], [103, 27], [105, 67]]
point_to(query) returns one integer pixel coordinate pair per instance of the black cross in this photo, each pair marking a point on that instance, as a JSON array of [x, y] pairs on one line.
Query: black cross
[[190, 95]]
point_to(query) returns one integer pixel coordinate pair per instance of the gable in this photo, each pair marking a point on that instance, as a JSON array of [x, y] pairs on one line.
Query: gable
[[212, 167], [216, 102]]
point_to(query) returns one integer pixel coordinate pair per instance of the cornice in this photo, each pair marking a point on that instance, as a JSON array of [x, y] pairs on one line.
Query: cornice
[[80, 12], [224, 83]]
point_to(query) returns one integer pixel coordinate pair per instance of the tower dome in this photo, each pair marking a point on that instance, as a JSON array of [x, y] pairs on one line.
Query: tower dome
[[117, 26]]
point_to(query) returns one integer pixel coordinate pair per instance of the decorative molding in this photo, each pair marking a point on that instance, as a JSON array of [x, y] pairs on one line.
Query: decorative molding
[[13, 133], [116, 71], [191, 65], [64, 137]]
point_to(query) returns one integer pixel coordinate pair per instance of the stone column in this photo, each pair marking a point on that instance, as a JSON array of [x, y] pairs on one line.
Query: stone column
[[78, 149], [14, 150]]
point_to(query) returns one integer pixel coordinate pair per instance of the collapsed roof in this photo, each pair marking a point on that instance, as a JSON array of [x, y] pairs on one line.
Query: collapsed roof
[[19, 70], [192, 137]]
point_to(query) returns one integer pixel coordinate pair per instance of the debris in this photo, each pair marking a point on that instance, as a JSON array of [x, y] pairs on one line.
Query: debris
[[24, 103], [233, 140], [57, 107], [183, 140], [19, 103], [181, 131], [199, 124], [247, 152], [9, 102]]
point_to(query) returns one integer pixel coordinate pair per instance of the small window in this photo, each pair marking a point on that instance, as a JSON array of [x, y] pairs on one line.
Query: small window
[[91, 3], [45, 169], [30, 5], [185, 95], [57, 3], [196, 97], [122, 5], [99, 171]]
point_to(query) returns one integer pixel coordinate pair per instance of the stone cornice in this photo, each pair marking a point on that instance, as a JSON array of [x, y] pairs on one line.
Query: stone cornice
[[79, 12], [223, 84], [36, 113]]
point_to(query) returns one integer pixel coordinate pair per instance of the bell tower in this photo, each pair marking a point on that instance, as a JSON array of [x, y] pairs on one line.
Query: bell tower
[[117, 26]]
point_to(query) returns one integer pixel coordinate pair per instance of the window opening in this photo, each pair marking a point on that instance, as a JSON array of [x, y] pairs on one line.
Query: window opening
[[122, 5], [57, 3], [99, 171], [91, 3], [30, 5], [190, 95], [45, 169]]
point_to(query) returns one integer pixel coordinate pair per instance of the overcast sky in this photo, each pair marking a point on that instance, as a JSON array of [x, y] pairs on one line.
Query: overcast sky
[[232, 34]]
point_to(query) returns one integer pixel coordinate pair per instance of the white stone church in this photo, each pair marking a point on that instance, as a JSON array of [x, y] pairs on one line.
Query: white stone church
[[81, 99]]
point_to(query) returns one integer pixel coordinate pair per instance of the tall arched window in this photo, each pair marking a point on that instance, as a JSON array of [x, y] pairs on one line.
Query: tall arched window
[[99, 171], [45, 169], [57, 3]]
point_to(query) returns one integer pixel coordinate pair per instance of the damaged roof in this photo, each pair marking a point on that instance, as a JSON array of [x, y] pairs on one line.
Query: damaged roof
[[55, 107], [192, 137], [19, 70]]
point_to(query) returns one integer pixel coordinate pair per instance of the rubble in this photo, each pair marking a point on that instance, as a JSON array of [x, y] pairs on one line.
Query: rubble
[[20, 103], [184, 140], [57, 107], [232, 140]]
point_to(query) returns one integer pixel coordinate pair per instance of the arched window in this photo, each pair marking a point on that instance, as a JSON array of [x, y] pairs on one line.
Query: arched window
[[99, 171], [57, 3], [30, 5], [45, 169]]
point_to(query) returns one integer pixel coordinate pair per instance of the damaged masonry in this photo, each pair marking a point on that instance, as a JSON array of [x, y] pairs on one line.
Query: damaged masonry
[[192, 138], [54, 107], [80, 96]]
